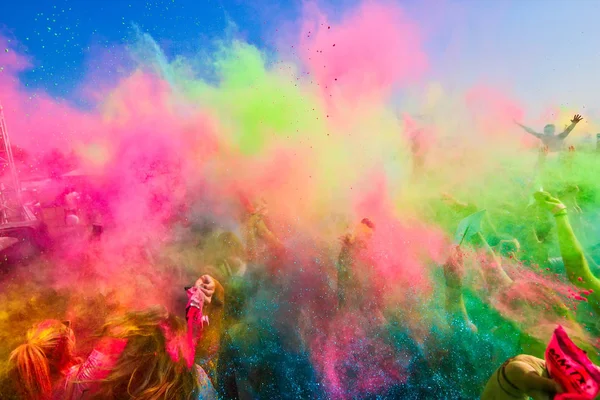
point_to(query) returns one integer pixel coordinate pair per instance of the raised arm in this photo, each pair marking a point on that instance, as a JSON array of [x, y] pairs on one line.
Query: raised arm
[[207, 344], [493, 273], [529, 130], [576, 265], [576, 119], [455, 304], [458, 205], [268, 236]]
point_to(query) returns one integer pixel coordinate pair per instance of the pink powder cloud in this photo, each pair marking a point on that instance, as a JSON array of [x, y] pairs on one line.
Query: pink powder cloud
[[34, 119], [373, 49], [494, 112]]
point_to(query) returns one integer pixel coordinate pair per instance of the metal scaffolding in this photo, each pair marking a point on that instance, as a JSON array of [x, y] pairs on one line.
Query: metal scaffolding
[[11, 203]]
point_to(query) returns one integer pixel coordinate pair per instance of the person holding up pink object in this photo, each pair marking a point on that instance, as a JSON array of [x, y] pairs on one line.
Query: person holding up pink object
[[144, 355]]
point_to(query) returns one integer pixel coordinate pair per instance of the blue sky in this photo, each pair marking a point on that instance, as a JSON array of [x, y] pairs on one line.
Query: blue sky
[[541, 51], [60, 35]]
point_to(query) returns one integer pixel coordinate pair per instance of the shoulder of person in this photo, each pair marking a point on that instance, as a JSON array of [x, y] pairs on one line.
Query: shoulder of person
[[206, 388], [514, 371]]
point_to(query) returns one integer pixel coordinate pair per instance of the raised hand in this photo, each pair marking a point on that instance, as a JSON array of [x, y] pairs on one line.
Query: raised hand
[[577, 118], [456, 256], [454, 264], [347, 239], [550, 203], [207, 285]]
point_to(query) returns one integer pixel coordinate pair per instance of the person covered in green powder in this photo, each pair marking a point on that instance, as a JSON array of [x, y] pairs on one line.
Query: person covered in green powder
[[525, 376], [548, 138], [520, 377], [508, 293]]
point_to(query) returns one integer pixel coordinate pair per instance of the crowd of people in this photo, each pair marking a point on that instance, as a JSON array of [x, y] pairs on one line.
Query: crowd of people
[[264, 325]]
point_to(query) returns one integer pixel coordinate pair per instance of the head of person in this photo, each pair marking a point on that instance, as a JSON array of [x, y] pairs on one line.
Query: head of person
[[48, 350], [549, 130], [365, 230], [509, 248], [152, 364]]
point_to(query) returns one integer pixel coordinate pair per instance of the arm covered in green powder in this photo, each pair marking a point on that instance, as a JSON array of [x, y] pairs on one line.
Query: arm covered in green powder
[[573, 256], [576, 265]]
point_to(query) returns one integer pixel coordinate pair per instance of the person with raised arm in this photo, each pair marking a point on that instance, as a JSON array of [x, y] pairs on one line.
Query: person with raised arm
[[455, 304], [352, 244], [262, 245], [576, 265], [548, 138], [207, 346], [143, 355]]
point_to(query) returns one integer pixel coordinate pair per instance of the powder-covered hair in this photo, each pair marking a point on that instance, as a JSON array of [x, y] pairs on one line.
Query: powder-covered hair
[[47, 352], [152, 365], [368, 222]]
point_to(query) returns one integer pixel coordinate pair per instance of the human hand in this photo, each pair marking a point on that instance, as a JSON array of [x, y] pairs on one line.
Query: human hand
[[548, 202], [572, 189], [207, 285], [447, 197], [456, 256], [577, 118], [347, 239], [260, 208], [509, 247], [454, 264], [472, 327]]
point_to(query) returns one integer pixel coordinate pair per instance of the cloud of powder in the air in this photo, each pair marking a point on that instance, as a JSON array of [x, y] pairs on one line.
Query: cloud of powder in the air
[[314, 137], [372, 50]]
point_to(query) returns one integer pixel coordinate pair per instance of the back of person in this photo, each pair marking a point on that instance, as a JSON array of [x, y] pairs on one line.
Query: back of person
[[502, 385], [37, 365], [72, 201], [553, 143], [141, 356]]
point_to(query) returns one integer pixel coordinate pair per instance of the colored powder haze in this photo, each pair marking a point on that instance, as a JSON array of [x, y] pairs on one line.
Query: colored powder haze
[[317, 120]]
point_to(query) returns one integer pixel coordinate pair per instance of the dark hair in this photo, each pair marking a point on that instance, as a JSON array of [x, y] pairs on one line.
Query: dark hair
[[368, 222]]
